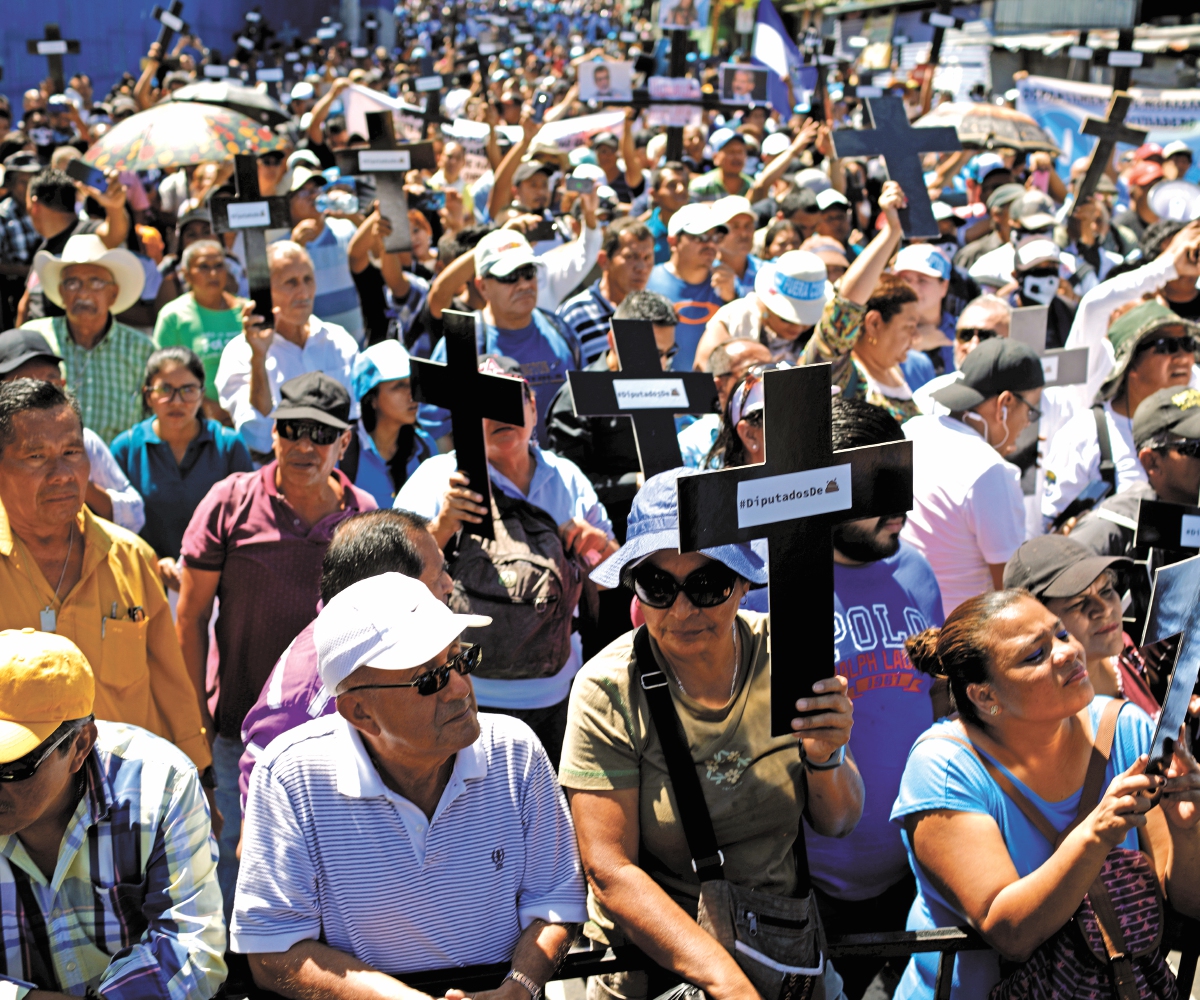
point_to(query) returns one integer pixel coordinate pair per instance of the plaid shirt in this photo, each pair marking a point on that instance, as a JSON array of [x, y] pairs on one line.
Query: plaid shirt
[[133, 910], [18, 239], [588, 314], [107, 380]]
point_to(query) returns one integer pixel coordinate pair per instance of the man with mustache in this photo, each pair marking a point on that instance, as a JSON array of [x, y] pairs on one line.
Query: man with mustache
[[103, 359]]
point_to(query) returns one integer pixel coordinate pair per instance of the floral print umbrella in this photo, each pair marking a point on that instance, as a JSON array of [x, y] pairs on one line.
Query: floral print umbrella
[[174, 134]]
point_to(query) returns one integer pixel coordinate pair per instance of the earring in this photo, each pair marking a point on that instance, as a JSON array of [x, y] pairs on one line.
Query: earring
[[994, 710]]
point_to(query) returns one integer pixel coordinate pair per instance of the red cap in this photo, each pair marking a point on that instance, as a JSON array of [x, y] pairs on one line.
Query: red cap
[[1148, 151], [1145, 173]]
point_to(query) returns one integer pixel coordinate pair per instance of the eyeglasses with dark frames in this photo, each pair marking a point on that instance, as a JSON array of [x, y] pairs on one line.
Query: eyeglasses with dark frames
[[969, 333], [26, 767]]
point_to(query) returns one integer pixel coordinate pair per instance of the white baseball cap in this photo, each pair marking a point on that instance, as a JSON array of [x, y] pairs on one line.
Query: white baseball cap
[[501, 252], [829, 197], [794, 287], [1178, 146], [1038, 249], [303, 91], [390, 621], [775, 143], [923, 258], [724, 209], [813, 179], [695, 220]]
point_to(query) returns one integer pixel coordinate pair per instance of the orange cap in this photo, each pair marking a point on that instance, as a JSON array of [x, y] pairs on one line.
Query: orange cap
[[44, 681]]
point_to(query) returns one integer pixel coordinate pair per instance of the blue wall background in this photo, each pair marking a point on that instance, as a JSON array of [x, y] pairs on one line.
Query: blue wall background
[[115, 34]]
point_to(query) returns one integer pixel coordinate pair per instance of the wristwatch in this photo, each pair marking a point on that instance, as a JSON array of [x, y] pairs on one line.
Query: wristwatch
[[535, 991], [837, 759]]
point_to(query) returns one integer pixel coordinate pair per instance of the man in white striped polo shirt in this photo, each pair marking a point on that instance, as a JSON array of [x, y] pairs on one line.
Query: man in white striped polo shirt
[[407, 832]]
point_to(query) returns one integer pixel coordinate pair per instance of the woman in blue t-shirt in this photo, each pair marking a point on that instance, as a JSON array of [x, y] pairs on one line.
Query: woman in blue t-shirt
[[1019, 680]]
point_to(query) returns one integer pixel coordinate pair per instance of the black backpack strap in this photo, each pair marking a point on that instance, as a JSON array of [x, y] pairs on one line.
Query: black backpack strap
[[349, 461], [707, 859], [1108, 468]]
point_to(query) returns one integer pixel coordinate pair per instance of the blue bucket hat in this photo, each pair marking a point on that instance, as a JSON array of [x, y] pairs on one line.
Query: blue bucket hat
[[384, 362], [654, 524]]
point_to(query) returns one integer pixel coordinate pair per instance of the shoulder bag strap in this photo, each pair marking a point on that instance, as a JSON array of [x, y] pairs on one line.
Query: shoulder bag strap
[[707, 859], [1093, 783], [1108, 468]]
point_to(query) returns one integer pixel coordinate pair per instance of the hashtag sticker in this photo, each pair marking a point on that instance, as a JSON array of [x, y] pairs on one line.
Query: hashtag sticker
[[793, 495]]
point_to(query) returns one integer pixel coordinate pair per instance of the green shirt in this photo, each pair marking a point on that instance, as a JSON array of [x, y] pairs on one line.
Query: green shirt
[[183, 322], [106, 380], [711, 185]]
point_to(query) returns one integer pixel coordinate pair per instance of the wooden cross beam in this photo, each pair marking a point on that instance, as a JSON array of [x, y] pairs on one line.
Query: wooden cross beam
[[793, 500], [53, 46], [171, 23], [1108, 131], [470, 395]]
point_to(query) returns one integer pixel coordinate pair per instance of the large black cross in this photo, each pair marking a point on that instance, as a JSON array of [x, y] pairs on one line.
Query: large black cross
[[1167, 526], [642, 391], [901, 146], [793, 500], [1060, 366], [252, 215], [470, 395], [1175, 610], [388, 162], [171, 23], [53, 46], [1108, 130]]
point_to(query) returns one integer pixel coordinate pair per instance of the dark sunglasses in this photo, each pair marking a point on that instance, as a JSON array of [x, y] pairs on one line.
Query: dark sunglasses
[[526, 272], [669, 353], [271, 159], [26, 767], [318, 434], [1189, 449], [432, 681], [1169, 345], [969, 333], [706, 587]]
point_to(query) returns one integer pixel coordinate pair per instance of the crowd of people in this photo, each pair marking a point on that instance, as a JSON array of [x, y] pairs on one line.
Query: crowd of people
[[282, 721]]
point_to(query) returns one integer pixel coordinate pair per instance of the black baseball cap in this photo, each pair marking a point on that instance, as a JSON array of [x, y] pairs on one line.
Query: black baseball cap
[[995, 366], [1057, 566], [19, 346], [314, 396], [1168, 411]]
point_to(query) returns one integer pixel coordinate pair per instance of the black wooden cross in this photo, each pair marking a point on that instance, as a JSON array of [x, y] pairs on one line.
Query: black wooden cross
[[1167, 526], [642, 391], [470, 395], [171, 23], [1060, 366], [252, 215], [1108, 130], [1123, 59], [53, 46], [794, 499], [941, 19], [901, 146], [388, 162], [1175, 610]]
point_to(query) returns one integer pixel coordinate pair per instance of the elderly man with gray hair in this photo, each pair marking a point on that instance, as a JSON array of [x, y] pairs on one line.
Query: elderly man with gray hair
[[982, 318], [271, 350]]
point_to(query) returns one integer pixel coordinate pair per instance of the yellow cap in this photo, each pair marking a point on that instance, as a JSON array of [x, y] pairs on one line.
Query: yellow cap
[[44, 681]]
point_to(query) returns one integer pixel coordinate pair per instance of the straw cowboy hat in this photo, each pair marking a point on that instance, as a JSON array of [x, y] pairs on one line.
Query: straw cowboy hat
[[90, 249]]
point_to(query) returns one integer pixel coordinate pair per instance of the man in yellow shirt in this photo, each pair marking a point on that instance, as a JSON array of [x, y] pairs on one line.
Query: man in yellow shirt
[[64, 570]]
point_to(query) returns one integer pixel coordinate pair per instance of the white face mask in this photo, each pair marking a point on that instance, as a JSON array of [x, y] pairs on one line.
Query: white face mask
[[1039, 289]]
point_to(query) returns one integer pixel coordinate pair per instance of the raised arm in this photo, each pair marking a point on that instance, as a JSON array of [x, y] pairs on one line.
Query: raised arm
[[320, 110], [501, 194], [778, 166], [862, 276]]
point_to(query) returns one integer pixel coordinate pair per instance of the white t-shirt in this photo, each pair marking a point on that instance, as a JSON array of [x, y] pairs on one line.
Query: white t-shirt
[[1073, 458], [968, 510]]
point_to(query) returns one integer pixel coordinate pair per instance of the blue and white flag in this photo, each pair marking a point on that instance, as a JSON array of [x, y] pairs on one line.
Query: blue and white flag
[[774, 48]]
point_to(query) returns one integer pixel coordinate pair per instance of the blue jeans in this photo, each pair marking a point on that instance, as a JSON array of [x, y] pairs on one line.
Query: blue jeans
[[226, 755]]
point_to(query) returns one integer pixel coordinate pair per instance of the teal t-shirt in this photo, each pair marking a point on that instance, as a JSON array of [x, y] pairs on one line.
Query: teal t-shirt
[[184, 322]]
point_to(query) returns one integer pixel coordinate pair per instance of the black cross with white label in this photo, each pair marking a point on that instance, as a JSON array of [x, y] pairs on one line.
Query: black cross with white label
[[1108, 130], [793, 500], [1175, 610], [388, 162], [901, 147], [1060, 366], [470, 395], [53, 46], [642, 391], [171, 23], [252, 215], [1167, 526]]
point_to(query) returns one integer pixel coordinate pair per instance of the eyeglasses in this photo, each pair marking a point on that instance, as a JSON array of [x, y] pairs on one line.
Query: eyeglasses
[[669, 353], [209, 268], [93, 284], [317, 433], [26, 767], [271, 159], [706, 587], [1170, 345], [1034, 413], [969, 333], [1189, 449], [712, 236], [432, 681], [166, 393], [526, 272]]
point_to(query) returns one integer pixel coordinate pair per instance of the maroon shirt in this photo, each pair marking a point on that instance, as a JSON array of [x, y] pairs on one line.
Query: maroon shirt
[[270, 567]]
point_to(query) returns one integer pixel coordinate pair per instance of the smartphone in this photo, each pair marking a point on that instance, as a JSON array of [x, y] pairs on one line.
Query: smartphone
[[80, 171], [541, 101], [544, 230], [1092, 494], [581, 185]]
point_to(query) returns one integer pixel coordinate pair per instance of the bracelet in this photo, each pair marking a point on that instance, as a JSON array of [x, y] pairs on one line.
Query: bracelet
[[836, 760], [522, 980]]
